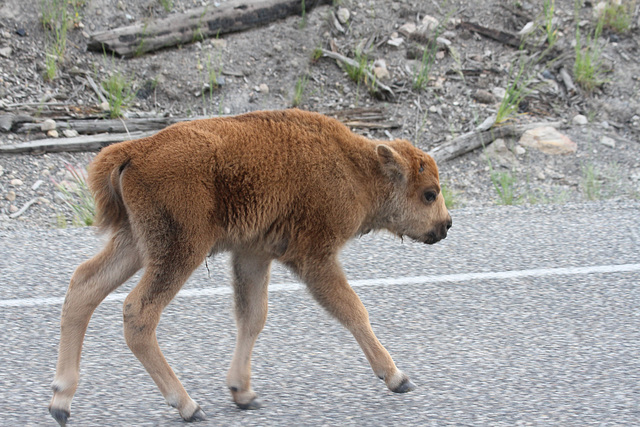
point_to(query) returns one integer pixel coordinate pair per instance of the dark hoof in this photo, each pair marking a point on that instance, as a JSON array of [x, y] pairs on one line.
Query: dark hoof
[[254, 404], [60, 415], [405, 386], [199, 415]]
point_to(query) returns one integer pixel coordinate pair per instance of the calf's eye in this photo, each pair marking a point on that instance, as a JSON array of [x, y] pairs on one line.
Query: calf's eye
[[430, 196]]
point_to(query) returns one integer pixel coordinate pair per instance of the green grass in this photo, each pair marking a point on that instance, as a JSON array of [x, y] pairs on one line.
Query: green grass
[[119, 93], [518, 89], [551, 31], [301, 86], [167, 5], [76, 195], [587, 69], [618, 17], [450, 196], [55, 21], [421, 75], [504, 184], [590, 184], [50, 66], [358, 73]]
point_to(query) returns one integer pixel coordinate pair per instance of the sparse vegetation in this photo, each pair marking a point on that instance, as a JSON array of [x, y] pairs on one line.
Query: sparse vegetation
[[519, 87], [119, 92], [587, 69], [450, 196], [358, 73], [76, 195], [617, 15], [167, 5], [301, 85], [421, 75], [504, 184], [550, 29], [590, 184]]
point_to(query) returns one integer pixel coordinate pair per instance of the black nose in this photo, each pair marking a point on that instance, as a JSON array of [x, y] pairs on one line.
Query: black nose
[[449, 224]]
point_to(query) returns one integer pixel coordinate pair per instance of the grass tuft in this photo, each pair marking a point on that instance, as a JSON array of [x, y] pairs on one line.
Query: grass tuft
[[76, 195]]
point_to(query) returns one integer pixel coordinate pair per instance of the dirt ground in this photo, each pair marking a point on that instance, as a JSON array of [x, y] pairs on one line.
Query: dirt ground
[[259, 69]]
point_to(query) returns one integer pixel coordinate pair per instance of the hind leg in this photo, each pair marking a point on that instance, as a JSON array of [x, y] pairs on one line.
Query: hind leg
[[92, 281], [163, 278], [251, 277]]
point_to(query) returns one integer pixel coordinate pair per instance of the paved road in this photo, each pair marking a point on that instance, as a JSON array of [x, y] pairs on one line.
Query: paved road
[[522, 316]]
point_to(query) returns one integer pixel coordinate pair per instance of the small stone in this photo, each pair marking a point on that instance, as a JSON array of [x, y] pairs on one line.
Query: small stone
[[484, 97], [21, 32], [37, 184], [430, 23], [120, 5], [263, 88], [70, 133], [395, 41], [499, 92], [227, 110], [407, 29], [52, 133], [13, 209], [11, 196], [609, 142], [579, 120], [105, 106], [381, 73], [47, 125], [219, 43], [519, 150], [6, 52], [433, 109], [343, 15], [604, 124], [16, 182]]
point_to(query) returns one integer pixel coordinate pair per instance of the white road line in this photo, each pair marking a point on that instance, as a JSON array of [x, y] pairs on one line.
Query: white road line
[[450, 278]]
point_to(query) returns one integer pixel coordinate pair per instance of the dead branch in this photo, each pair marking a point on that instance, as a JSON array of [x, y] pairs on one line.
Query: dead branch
[[476, 139], [196, 24], [80, 143], [379, 88]]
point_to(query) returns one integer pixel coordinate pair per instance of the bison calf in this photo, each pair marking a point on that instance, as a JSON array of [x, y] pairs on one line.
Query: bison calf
[[286, 185]]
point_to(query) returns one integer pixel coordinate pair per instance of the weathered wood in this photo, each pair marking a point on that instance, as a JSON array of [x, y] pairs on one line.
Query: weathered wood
[[498, 35], [475, 139], [196, 24], [111, 125], [80, 143], [374, 84], [568, 82]]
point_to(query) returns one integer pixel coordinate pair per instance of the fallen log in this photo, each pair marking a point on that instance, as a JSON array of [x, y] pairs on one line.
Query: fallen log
[[196, 24], [111, 125], [476, 139], [80, 143]]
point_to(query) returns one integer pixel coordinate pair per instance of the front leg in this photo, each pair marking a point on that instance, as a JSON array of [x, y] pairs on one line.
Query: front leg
[[328, 285]]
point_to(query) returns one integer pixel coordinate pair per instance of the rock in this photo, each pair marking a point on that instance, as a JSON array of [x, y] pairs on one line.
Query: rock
[[500, 153], [343, 15], [484, 97], [37, 184], [499, 92], [609, 142], [11, 196], [6, 52], [430, 23], [52, 133], [21, 32], [48, 125], [104, 106], [381, 73], [6, 122], [70, 133], [548, 140], [407, 29], [519, 150], [13, 209], [395, 41], [528, 28], [263, 88], [219, 43], [579, 120], [16, 182]]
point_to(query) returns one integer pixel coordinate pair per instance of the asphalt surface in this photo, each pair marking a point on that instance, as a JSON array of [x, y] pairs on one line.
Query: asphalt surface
[[522, 316]]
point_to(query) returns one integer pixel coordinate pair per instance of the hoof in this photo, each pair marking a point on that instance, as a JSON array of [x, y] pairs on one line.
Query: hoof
[[405, 386], [254, 404], [60, 415], [199, 415]]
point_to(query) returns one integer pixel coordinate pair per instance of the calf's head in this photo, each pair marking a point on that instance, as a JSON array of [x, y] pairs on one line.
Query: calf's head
[[416, 207]]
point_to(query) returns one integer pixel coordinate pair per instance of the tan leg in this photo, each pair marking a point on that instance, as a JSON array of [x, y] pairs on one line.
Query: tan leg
[[92, 281], [251, 278], [328, 285], [161, 281]]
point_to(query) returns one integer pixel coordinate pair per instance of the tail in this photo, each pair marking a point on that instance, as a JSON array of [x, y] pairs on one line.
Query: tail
[[104, 182]]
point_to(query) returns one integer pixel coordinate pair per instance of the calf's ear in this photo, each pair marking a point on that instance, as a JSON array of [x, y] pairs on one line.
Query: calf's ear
[[391, 163]]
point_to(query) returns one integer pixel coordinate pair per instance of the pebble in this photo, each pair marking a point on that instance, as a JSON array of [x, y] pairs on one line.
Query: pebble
[[105, 106], [6, 52], [52, 133], [484, 96], [37, 184], [343, 15], [11, 196], [263, 88], [609, 142], [70, 133], [13, 209], [499, 92], [16, 182], [47, 125], [579, 120]]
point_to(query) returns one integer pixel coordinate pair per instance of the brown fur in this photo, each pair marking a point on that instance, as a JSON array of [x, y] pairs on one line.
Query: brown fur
[[286, 185]]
